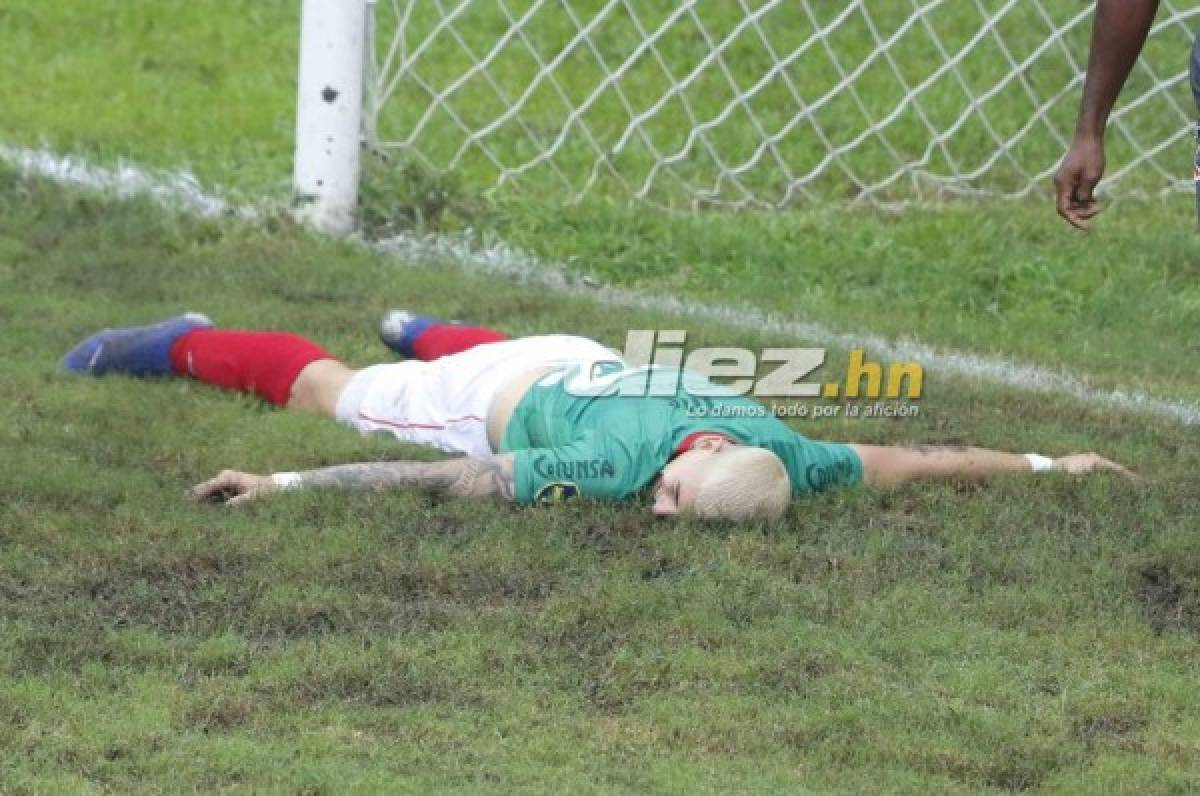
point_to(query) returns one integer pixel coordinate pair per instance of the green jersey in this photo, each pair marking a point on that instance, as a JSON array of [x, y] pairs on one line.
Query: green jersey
[[605, 431]]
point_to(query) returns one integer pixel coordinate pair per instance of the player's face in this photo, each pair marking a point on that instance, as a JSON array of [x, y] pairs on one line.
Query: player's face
[[675, 490]]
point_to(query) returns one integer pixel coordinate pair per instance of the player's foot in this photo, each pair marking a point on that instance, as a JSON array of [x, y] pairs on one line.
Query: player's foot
[[136, 350], [399, 329]]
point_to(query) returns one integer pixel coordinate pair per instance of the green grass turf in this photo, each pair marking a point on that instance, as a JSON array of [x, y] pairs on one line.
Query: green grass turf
[[207, 86], [1019, 635], [1010, 280], [211, 87], [1029, 633]]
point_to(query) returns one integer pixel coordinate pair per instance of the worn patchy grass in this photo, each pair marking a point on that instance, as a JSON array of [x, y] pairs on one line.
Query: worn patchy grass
[[1026, 634], [1017, 636]]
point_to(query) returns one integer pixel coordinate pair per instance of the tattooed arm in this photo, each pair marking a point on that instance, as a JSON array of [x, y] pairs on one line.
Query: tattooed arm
[[888, 466], [467, 477]]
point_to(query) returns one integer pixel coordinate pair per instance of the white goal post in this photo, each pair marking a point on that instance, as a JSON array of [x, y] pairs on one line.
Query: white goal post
[[329, 104], [745, 103]]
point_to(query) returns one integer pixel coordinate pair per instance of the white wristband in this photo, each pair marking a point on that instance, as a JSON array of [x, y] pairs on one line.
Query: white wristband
[[1039, 463], [287, 482]]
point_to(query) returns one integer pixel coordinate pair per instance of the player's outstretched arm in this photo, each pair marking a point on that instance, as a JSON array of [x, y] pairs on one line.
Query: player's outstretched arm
[[890, 466], [1118, 33], [467, 477]]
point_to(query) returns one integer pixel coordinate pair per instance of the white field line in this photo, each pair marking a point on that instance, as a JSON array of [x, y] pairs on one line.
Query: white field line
[[180, 190]]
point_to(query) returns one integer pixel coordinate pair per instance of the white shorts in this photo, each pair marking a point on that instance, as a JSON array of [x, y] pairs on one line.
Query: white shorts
[[444, 403]]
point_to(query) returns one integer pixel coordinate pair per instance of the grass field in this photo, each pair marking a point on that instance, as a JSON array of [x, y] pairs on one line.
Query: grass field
[[178, 85], [1021, 635], [1016, 635]]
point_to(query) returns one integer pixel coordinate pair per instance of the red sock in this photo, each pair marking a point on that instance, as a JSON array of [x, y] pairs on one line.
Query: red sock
[[442, 339], [266, 363]]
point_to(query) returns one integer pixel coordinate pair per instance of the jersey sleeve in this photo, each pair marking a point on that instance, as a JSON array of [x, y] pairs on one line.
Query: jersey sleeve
[[595, 466], [816, 466]]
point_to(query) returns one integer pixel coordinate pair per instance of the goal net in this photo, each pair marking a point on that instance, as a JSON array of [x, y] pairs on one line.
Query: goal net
[[741, 103]]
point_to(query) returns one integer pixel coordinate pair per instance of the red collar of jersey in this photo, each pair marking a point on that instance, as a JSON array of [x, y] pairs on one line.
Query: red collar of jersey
[[691, 439]]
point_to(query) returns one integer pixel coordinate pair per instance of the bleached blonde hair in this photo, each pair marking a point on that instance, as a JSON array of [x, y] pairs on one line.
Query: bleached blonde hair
[[743, 483]]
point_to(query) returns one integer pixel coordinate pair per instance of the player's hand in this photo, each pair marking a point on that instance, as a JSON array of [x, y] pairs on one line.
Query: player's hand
[[1075, 182], [234, 488], [1081, 463]]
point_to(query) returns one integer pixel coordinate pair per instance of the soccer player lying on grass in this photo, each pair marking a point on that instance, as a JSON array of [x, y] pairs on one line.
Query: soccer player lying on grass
[[539, 419]]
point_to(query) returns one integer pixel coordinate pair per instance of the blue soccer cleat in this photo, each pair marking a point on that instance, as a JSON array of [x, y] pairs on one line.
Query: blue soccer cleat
[[399, 329], [143, 351]]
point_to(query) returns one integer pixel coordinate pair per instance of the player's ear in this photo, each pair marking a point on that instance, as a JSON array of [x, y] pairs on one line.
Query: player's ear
[[664, 504]]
